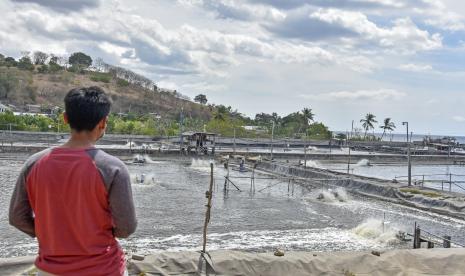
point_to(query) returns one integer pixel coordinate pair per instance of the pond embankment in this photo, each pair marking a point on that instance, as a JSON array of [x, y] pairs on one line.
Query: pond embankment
[[227, 262], [445, 203]]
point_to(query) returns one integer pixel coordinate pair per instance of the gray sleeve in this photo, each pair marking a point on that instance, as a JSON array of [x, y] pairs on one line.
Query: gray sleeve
[[20, 214], [118, 184]]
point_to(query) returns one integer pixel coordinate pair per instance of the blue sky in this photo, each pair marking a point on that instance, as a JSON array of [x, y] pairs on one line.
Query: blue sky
[[342, 58]]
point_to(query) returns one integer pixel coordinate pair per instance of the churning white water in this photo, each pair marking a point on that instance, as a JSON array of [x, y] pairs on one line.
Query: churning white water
[[363, 163], [313, 164], [378, 230]]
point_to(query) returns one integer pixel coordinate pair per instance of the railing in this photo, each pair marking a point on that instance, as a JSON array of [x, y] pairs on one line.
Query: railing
[[421, 235], [449, 180]]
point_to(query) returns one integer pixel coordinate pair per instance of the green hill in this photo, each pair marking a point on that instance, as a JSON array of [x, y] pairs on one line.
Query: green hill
[[20, 87]]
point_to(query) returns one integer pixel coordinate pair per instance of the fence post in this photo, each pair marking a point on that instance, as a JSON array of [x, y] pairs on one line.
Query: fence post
[[446, 242], [450, 182], [416, 237]]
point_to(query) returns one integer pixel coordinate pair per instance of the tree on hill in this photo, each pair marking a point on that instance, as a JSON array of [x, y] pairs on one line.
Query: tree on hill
[[39, 57], [367, 123], [201, 98], [10, 62], [80, 60], [25, 63]]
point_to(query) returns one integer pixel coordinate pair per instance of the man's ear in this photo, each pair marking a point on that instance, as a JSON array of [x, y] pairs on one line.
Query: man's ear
[[65, 118], [103, 123]]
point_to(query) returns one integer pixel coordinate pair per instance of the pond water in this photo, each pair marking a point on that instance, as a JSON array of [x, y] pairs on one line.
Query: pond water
[[171, 210]]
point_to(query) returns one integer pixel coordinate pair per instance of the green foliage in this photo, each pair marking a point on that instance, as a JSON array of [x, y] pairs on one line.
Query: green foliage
[[10, 62], [32, 122], [122, 83], [341, 136], [8, 83], [54, 67], [25, 63], [80, 59], [201, 98], [100, 77], [43, 69], [368, 122], [76, 69], [318, 131]]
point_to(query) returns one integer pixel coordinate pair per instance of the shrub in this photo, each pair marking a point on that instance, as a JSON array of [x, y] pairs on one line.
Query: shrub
[[100, 77], [122, 83]]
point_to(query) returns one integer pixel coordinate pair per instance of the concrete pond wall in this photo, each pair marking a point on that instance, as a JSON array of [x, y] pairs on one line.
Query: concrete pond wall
[[450, 204]]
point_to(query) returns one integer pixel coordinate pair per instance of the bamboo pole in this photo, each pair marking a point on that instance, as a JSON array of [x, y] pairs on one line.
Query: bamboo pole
[[209, 195]]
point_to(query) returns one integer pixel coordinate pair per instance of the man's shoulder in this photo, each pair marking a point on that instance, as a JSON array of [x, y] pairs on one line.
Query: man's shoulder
[[101, 158], [36, 157]]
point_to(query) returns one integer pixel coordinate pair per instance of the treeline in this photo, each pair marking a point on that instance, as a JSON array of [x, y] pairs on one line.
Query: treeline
[[223, 119]]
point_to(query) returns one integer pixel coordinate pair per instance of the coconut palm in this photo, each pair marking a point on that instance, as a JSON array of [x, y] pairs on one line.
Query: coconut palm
[[367, 123], [308, 115], [388, 125]]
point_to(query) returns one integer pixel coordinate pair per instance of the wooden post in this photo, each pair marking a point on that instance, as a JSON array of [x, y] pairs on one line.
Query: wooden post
[[293, 184], [416, 237], [446, 242], [209, 195], [227, 176], [288, 186], [450, 182]]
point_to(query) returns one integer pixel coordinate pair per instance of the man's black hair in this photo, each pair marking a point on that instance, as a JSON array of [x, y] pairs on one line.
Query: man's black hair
[[86, 107]]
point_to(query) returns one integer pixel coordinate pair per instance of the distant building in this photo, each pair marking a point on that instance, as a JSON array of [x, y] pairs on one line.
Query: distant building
[[33, 108], [4, 108], [257, 129]]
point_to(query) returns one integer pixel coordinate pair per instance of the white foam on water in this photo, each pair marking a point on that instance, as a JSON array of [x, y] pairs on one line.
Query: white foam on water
[[143, 179], [378, 231], [324, 239], [201, 163], [330, 196], [130, 144], [326, 196], [342, 195], [313, 164], [363, 163]]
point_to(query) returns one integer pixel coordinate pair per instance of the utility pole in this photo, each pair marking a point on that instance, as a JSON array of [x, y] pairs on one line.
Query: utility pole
[[181, 142], [408, 156], [272, 138], [234, 142], [348, 145], [305, 151]]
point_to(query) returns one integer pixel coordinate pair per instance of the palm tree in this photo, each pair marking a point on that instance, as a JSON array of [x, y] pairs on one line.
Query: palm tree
[[388, 125], [308, 115], [367, 123]]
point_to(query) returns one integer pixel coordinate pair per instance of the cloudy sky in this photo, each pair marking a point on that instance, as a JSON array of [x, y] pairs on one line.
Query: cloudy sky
[[403, 59]]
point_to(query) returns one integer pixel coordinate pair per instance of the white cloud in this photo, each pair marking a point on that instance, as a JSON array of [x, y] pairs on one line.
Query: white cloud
[[458, 118], [403, 36], [238, 10], [416, 67], [359, 95], [438, 15]]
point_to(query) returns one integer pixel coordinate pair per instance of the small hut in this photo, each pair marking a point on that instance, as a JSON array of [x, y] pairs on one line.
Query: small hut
[[198, 142]]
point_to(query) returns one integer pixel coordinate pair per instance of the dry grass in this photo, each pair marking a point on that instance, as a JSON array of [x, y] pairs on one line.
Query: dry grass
[[420, 192]]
